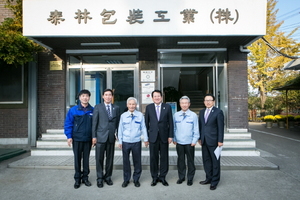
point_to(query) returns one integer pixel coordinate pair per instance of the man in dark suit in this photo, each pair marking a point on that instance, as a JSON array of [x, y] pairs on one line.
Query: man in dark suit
[[211, 127], [106, 118], [160, 129]]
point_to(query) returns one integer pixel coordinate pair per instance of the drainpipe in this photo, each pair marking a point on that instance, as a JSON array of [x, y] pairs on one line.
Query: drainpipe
[[244, 50]]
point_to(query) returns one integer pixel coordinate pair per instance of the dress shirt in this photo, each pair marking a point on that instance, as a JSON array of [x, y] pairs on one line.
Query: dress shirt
[[132, 127], [109, 107], [159, 107], [186, 130]]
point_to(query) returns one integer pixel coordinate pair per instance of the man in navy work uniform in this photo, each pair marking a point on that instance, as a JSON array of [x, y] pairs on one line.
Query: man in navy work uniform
[[186, 134], [78, 129], [211, 126], [131, 128]]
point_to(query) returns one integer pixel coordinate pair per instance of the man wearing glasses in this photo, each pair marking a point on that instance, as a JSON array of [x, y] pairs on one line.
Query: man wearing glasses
[[211, 127]]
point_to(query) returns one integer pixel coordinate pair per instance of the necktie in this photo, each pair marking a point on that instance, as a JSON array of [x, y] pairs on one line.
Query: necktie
[[131, 115], [108, 111], [157, 112], [206, 115], [184, 115]]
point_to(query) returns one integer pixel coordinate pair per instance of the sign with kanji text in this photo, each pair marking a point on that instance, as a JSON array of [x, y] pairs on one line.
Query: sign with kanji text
[[144, 18]]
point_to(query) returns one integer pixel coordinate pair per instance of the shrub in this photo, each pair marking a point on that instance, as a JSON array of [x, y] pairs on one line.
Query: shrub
[[280, 117], [291, 118], [297, 118], [269, 118]]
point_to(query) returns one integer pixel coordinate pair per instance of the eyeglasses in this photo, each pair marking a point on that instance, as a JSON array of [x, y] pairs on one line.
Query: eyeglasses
[[208, 100]]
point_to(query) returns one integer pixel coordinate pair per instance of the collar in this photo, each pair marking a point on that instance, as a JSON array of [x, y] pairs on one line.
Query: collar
[[107, 104], [129, 113], [80, 107], [211, 108], [157, 105], [187, 112]]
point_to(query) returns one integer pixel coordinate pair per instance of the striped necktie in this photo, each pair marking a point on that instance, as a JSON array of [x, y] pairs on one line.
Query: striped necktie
[[108, 111], [206, 114]]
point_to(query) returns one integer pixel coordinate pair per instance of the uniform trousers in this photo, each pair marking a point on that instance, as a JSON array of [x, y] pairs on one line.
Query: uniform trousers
[[81, 151], [185, 151], [136, 151]]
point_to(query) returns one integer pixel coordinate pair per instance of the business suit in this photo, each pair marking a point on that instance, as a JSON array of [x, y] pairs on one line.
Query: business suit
[[159, 131], [104, 129], [211, 133]]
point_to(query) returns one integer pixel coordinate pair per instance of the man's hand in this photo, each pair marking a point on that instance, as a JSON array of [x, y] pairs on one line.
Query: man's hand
[[175, 143], [193, 144], [94, 142], [170, 140], [220, 144], [120, 146], [199, 141], [70, 141], [146, 144]]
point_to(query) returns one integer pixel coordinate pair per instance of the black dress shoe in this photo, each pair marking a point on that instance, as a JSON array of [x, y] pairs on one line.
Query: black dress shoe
[[137, 184], [213, 187], [164, 182], [179, 181], [100, 184], [190, 182], [109, 182], [204, 182], [154, 182], [125, 184], [87, 183], [77, 184]]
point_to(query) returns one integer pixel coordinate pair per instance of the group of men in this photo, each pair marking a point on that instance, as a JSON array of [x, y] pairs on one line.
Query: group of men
[[101, 126]]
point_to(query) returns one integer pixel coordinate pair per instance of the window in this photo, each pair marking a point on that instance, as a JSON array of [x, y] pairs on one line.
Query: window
[[12, 85]]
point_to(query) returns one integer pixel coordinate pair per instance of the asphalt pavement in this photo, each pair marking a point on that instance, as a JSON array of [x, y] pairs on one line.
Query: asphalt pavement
[[44, 182]]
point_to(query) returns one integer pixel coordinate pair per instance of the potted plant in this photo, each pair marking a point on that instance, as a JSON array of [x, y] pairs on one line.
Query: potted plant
[[297, 119], [291, 121], [281, 120], [269, 119]]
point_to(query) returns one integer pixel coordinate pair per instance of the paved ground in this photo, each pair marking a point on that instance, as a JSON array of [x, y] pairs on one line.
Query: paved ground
[[34, 181]]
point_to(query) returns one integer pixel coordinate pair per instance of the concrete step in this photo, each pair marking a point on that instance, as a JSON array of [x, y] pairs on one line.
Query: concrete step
[[237, 143], [53, 136], [145, 152], [228, 142], [62, 137]]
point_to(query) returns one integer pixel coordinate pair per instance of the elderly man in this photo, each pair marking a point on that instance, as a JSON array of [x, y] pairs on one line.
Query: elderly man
[[131, 127], [186, 134]]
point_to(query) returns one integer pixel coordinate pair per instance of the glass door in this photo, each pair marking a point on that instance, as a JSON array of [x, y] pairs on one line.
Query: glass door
[[123, 87], [194, 73], [95, 82], [97, 73]]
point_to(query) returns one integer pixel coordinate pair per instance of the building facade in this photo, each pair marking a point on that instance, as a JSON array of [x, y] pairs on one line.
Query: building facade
[[190, 47]]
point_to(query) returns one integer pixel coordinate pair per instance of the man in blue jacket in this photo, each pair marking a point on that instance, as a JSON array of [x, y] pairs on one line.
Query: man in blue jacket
[[186, 134], [78, 129]]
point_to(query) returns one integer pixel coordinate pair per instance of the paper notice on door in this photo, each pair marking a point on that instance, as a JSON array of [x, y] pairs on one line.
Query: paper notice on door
[[218, 151]]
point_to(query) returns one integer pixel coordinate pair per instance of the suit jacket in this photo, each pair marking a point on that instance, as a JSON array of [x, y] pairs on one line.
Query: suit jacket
[[213, 130], [104, 128], [163, 127]]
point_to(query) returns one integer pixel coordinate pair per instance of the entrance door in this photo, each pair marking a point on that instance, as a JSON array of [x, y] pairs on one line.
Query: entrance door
[[121, 78], [194, 74]]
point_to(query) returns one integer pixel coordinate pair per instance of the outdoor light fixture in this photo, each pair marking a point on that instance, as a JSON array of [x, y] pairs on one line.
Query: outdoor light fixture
[[101, 44], [196, 42]]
